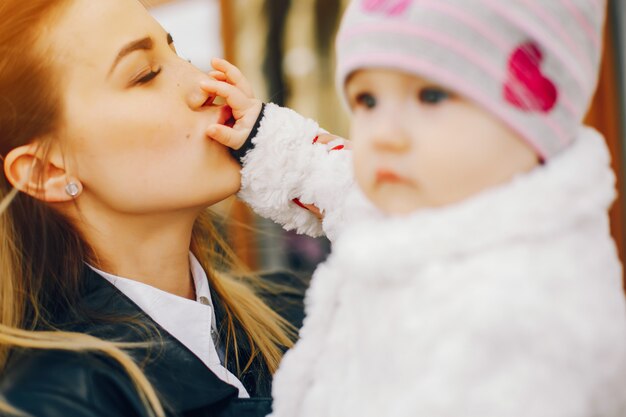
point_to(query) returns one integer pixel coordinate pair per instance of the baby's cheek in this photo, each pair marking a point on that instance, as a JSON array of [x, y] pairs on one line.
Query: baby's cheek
[[362, 159], [363, 168]]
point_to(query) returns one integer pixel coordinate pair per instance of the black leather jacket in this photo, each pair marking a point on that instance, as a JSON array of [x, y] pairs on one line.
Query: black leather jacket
[[66, 384]]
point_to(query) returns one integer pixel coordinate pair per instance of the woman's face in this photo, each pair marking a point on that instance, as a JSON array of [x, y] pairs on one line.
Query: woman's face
[[135, 114]]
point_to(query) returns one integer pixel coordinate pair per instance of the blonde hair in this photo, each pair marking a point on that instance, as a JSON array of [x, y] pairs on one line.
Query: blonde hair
[[42, 254]]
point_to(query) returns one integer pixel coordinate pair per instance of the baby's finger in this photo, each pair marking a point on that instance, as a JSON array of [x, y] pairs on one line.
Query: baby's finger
[[234, 97], [226, 136], [325, 138], [218, 75], [310, 207], [316, 212], [233, 75]]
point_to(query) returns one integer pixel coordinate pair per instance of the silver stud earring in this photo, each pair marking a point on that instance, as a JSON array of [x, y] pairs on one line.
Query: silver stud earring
[[72, 189]]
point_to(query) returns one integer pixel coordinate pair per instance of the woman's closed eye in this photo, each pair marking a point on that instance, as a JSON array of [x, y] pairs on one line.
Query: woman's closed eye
[[433, 95], [145, 77]]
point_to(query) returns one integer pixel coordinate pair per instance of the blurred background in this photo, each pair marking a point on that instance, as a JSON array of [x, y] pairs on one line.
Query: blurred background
[[285, 48]]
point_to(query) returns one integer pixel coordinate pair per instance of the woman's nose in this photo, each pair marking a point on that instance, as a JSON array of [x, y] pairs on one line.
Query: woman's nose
[[195, 95]]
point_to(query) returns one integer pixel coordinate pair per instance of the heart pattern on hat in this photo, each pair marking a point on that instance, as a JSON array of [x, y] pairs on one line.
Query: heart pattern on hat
[[527, 87], [387, 7]]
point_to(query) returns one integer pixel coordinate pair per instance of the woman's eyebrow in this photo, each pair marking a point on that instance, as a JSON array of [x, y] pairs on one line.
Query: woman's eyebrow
[[141, 44]]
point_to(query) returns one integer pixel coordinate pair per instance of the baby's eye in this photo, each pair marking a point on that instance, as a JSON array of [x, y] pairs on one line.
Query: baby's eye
[[433, 95], [366, 100]]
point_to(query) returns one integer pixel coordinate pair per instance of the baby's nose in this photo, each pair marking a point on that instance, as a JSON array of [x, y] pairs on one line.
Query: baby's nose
[[391, 136]]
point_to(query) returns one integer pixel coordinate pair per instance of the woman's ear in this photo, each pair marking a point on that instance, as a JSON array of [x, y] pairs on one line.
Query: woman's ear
[[40, 178]]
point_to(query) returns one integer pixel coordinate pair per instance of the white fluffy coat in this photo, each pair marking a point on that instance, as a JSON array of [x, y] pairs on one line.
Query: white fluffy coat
[[507, 304]]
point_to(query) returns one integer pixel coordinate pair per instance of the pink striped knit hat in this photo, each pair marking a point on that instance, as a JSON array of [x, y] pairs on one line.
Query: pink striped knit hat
[[531, 63]]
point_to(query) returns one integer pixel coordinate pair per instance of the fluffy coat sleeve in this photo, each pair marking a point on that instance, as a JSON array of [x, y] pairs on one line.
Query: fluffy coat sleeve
[[285, 164]]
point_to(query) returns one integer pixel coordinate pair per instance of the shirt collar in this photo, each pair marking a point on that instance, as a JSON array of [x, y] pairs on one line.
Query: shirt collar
[[198, 388], [194, 321]]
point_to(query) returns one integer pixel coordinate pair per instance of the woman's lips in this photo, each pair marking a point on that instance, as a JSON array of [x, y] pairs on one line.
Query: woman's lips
[[226, 117], [208, 101]]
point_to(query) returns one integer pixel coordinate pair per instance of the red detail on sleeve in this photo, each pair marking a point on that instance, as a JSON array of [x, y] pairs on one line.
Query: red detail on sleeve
[[299, 203], [338, 148]]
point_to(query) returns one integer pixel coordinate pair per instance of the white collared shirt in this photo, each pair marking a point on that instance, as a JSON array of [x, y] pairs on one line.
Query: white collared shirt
[[189, 321]]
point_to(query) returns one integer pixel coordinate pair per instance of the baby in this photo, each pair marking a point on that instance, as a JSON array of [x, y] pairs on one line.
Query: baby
[[472, 271]]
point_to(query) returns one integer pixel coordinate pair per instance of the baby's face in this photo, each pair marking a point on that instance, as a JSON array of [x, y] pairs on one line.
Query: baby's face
[[418, 145]]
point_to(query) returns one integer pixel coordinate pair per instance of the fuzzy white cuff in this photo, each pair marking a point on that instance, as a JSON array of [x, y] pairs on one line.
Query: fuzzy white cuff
[[285, 165]]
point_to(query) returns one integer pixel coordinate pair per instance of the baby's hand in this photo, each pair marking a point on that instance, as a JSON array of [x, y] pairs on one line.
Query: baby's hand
[[230, 84], [328, 138], [337, 144]]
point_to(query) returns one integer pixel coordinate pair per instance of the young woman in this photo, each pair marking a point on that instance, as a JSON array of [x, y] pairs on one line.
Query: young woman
[[114, 295]]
